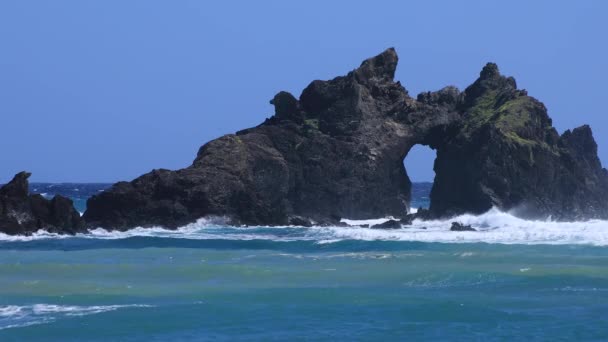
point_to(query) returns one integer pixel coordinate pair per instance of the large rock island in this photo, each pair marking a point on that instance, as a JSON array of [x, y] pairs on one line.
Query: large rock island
[[337, 152]]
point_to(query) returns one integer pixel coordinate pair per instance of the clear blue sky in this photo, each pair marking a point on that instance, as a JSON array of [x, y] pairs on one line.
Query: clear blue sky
[[108, 90]]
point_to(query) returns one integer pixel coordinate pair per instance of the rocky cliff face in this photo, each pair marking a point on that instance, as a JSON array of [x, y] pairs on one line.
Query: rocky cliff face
[[337, 151], [504, 152], [23, 214]]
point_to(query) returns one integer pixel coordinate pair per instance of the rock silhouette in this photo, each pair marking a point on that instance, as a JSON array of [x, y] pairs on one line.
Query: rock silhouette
[[23, 214], [459, 227], [335, 152], [505, 153]]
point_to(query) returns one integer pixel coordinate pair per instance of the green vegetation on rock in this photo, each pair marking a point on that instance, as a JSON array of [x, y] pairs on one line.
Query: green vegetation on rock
[[481, 112], [314, 123]]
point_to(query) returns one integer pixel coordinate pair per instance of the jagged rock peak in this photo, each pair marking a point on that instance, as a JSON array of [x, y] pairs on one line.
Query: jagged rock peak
[[581, 141], [381, 67], [491, 77], [23, 214], [490, 80], [285, 105], [446, 95], [18, 186], [490, 70]]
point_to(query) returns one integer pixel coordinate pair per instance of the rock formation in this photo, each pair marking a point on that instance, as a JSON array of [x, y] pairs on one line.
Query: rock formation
[[390, 224], [505, 153], [337, 152], [23, 214], [459, 227]]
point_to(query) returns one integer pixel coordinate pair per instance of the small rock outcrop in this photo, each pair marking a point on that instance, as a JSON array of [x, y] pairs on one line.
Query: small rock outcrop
[[23, 214], [390, 224], [459, 227]]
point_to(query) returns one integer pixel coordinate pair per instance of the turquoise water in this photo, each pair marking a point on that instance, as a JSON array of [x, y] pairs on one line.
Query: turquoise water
[[513, 280]]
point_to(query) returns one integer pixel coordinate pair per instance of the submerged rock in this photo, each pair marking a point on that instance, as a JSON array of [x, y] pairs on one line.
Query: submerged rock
[[408, 219], [337, 151], [459, 227], [300, 221], [390, 224], [23, 214]]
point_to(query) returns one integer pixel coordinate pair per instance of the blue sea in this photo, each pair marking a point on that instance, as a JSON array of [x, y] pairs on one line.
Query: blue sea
[[513, 280]]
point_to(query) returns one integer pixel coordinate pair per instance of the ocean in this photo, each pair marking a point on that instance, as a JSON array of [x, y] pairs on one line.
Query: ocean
[[512, 280]]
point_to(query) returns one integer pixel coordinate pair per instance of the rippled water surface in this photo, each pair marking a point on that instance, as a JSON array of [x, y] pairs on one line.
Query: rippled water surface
[[512, 280]]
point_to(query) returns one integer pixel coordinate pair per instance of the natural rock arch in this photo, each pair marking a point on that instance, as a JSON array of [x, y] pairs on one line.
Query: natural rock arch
[[337, 151], [419, 163]]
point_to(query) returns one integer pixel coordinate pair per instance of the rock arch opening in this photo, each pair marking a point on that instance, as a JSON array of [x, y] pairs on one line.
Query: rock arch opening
[[419, 166]]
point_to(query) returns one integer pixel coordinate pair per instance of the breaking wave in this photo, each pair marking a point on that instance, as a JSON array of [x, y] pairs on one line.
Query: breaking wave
[[15, 316], [493, 227]]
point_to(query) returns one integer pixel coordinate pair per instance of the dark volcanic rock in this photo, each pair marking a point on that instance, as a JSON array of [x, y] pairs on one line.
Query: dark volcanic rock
[[505, 153], [407, 220], [300, 221], [22, 213], [459, 227], [390, 224], [337, 152]]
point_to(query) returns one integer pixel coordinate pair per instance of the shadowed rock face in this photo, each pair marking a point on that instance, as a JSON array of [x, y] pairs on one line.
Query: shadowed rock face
[[504, 152], [338, 151], [23, 214]]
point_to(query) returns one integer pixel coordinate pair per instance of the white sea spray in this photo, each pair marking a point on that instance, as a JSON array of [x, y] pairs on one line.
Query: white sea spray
[[14, 316], [493, 226]]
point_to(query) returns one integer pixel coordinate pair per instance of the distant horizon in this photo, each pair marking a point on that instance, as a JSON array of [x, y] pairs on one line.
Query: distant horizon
[[98, 92]]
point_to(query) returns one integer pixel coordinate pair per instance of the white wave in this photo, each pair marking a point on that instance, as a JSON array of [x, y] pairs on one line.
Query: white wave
[[39, 235], [369, 222], [15, 316], [202, 229], [192, 230], [10, 310], [42, 309], [493, 227]]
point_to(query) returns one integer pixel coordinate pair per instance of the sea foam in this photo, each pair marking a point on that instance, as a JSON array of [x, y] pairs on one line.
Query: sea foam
[[14, 316], [493, 226]]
